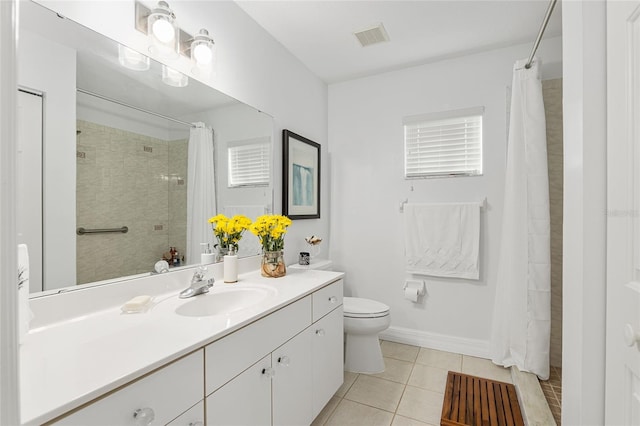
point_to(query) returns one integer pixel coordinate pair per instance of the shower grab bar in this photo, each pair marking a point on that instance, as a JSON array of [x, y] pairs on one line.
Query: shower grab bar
[[83, 231]]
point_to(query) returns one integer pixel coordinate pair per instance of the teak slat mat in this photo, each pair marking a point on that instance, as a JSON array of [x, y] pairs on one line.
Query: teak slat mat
[[474, 401]]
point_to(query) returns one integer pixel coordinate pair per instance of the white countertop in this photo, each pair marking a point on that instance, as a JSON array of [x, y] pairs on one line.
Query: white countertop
[[70, 362]]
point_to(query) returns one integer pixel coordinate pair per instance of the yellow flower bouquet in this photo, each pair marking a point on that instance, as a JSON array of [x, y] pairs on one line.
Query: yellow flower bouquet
[[228, 231], [270, 230]]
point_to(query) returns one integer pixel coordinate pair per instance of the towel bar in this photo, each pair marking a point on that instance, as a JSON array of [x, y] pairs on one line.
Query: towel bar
[[406, 200], [83, 231]]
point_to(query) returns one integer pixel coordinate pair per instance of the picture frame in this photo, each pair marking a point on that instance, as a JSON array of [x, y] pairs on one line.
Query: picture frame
[[301, 177]]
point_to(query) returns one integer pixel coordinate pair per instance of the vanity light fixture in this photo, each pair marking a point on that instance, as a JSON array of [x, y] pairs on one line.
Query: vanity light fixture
[[202, 49], [174, 78], [132, 60], [161, 27], [169, 41]]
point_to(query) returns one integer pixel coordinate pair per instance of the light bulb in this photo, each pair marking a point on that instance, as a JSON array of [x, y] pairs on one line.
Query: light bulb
[[202, 54], [163, 30]]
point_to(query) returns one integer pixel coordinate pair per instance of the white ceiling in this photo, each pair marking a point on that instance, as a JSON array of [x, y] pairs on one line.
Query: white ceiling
[[320, 33]]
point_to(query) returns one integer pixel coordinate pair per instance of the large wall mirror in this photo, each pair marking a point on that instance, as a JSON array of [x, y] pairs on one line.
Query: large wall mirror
[[104, 146]]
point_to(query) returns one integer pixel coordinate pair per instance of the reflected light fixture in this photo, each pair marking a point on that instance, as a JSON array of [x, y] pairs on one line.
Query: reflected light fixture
[[174, 78], [202, 49], [132, 60]]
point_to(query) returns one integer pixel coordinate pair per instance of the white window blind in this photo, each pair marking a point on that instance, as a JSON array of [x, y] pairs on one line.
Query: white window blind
[[249, 162], [443, 144]]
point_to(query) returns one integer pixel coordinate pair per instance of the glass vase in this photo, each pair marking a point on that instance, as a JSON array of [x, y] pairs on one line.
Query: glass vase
[[221, 252], [273, 264]]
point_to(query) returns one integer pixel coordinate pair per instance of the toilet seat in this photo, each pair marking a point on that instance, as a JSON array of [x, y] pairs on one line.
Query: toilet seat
[[357, 307]]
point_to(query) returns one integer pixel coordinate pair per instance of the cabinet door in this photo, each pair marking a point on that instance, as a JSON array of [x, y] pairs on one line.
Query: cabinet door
[[292, 382], [328, 359], [245, 400]]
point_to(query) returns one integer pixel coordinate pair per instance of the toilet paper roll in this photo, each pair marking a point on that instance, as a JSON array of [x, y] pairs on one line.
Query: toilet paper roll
[[411, 293]]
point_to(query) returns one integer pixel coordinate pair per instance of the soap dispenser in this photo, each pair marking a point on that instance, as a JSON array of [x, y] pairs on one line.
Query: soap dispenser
[[231, 266], [206, 257]]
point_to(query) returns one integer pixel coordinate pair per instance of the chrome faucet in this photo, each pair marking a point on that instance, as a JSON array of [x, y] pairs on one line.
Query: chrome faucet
[[198, 285]]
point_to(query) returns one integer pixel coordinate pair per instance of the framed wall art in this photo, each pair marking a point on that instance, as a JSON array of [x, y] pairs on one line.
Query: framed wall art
[[301, 177]]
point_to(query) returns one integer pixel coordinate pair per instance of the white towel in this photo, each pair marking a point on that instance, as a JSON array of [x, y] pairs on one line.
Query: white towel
[[443, 240]]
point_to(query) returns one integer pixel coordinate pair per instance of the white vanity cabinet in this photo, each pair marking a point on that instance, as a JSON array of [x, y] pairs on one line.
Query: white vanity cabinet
[[292, 383], [281, 369], [157, 398]]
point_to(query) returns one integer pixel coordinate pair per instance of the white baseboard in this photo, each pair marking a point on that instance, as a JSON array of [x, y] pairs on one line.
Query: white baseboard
[[461, 345]]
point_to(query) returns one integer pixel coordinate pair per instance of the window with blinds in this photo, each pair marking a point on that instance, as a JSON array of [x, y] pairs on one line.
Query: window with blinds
[[249, 162], [443, 144]]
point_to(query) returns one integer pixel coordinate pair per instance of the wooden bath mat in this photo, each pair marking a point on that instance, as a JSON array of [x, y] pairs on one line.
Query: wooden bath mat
[[471, 400]]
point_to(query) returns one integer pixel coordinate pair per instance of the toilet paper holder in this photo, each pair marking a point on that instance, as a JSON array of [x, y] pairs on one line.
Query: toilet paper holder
[[417, 284]]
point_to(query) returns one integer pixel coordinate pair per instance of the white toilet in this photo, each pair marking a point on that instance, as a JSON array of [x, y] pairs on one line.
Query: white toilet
[[363, 320]]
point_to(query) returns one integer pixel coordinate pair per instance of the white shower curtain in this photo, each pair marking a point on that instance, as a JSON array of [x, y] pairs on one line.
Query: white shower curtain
[[522, 311], [201, 200]]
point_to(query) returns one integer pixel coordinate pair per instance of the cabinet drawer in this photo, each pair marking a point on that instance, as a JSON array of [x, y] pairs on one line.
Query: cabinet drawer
[[155, 393], [229, 356], [327, 299]]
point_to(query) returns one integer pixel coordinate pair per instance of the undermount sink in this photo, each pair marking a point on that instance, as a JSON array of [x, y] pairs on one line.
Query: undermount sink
[[224, 300]]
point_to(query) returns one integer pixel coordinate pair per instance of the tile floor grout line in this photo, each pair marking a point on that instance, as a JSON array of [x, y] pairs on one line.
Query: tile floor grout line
[[430, 362]]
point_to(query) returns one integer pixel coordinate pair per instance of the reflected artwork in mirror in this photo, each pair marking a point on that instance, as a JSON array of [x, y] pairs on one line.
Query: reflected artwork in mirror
[[105, 144]]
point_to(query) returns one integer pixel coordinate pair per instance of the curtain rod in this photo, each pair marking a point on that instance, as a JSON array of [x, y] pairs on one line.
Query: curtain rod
[[545, 21], [175, 120]]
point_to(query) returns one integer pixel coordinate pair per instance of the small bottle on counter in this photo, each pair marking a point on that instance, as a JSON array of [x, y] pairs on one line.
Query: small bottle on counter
[[176, 257], [207, 257], [231, 266]]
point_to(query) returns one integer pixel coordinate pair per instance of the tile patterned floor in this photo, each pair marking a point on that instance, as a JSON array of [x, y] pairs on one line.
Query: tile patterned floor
[[552, 390], [409, 392]]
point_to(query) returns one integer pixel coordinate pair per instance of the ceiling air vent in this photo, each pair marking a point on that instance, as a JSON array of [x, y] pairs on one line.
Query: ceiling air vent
[[372, 35]]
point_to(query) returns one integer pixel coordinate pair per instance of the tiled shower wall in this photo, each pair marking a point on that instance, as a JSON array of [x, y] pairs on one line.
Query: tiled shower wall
[[552, 93], [127, 179]]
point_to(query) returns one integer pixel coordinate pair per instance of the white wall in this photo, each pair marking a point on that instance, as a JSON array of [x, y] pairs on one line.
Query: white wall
[[58, 84], [584, 93], [252, 67], [366, 147]]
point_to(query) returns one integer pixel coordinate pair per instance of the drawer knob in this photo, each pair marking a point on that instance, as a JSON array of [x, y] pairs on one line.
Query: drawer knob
[[333, 299], [284, 361], [320, 332], [268, 372], [144, 416]]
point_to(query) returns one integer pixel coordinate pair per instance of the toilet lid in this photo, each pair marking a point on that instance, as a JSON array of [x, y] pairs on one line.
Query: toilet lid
[[357, 307]]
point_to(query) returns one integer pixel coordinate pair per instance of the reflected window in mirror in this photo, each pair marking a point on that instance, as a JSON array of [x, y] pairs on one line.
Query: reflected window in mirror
[[249, 162]]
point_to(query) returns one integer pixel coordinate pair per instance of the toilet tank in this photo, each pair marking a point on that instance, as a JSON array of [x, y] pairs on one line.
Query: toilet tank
[[319, 264]]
